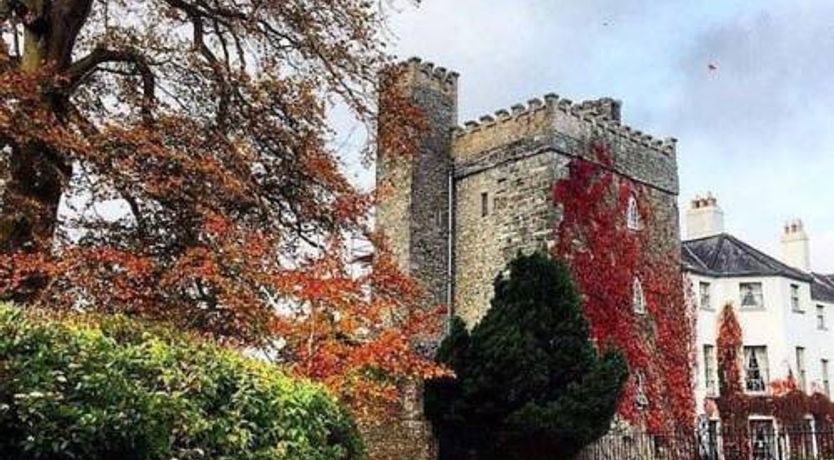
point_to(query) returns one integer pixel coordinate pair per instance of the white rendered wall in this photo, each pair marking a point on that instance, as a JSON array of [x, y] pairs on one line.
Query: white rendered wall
[[776, 326]]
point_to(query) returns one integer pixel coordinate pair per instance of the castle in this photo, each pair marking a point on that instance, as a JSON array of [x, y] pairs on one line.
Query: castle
[[475, 195]]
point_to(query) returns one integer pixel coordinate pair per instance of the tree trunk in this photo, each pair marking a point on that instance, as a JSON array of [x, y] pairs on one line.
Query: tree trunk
[[38, 172]]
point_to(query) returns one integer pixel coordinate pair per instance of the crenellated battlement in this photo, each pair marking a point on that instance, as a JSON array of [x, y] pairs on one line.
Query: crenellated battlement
[[601, 115], [427, 73]]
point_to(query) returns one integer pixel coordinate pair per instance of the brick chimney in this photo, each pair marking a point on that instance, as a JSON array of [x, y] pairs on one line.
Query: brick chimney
[[704, 218], [795, 246]]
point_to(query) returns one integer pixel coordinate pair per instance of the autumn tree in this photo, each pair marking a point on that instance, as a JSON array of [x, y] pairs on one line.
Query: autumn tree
[[186, 144]]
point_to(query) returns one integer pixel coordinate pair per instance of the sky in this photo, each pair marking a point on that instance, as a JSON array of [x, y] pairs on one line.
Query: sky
[[756, 130]]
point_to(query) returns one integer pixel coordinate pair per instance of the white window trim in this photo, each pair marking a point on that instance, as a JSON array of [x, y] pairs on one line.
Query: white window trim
[[820, 308], [633, 213], [638, 297], [764, 369], [710, 374], [640, 398], [763, 418], [761, 299], [796, 307], [708, 306]]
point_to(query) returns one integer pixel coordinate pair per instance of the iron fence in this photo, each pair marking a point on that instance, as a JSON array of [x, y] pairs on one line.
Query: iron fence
[[756, 443]]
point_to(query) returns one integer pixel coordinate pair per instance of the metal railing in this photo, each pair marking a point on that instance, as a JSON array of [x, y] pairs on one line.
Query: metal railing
[[756, 443]]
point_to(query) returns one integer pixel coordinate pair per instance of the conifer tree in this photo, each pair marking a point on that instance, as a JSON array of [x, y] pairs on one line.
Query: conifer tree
[[529, 382]]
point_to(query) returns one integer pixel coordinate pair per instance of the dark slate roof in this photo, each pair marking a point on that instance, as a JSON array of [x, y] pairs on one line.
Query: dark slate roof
[[724, 255], [823, 288]]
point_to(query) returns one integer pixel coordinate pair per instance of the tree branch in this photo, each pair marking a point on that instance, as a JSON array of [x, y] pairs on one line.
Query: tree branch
[[83, 68]]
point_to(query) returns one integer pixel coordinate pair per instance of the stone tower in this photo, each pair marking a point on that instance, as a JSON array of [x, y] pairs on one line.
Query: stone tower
[[414, 215], [478, 194]]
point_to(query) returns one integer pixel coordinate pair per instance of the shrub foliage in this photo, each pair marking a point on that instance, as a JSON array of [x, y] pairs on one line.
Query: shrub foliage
[[76, 388], [530, 384]]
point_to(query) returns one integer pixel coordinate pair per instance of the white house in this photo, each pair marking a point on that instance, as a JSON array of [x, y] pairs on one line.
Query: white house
[[785, 310]]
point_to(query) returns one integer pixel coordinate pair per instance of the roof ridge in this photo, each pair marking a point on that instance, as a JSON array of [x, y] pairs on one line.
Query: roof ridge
[[695, 256], [828, 280], [763, 257], [722, 237]]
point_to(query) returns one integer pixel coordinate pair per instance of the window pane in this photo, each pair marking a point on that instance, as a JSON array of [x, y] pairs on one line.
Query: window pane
[[705, 297], [820, 317], [755, 369], [709, 369], [751, 295], [484, 204], [800, 368]]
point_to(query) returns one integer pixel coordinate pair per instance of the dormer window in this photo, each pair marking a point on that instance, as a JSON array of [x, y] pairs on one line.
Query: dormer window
[[639, 299], [633, 214]]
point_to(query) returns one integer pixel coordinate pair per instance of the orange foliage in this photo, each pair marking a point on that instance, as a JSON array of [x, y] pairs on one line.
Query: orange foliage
[[204, 126]]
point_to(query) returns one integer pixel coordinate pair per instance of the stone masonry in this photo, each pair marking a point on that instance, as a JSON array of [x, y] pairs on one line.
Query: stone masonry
[[501, 171]]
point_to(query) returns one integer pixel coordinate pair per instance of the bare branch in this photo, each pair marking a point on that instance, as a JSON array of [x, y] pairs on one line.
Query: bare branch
[[83, 68]]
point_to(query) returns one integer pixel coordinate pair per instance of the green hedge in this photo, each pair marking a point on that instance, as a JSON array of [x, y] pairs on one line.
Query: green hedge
[[117, 389]]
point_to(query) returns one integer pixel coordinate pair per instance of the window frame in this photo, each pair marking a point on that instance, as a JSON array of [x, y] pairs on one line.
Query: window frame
[[763, 368], [640, 397], [796, 300], [759, 297], [801, 371], [633, 218], [825, 377], [710, 369], [484, 204], [638, 297], [708, 285], [820, 316]]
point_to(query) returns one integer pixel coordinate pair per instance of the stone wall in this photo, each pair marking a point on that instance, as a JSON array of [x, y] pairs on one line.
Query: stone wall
[[400, 440], [520, 217], [414, 214], [512, 158], [515, 158]]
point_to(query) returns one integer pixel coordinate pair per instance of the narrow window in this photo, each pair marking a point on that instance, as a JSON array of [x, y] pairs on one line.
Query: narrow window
[[751, 295], [800, 368], [755, 369], [821, 317], [640, 397], [795, 304], [484, 204], [825, 386], [639, 299], [633, 214], [710, 370], [705, 294]]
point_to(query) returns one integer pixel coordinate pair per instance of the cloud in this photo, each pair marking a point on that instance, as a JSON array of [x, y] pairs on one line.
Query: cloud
[[757, 131]]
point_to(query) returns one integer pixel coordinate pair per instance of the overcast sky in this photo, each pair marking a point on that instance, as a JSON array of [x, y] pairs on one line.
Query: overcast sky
[[756, 131]]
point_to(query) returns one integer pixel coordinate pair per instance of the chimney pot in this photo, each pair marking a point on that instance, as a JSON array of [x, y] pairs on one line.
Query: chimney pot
[[705, 218], [796, 246]]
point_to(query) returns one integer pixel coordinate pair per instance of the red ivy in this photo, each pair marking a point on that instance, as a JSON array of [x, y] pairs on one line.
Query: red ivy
[[606, 256], [787, 403]]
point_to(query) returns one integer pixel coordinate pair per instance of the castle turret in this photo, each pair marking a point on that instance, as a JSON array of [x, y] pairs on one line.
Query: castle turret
[[413, 211]]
